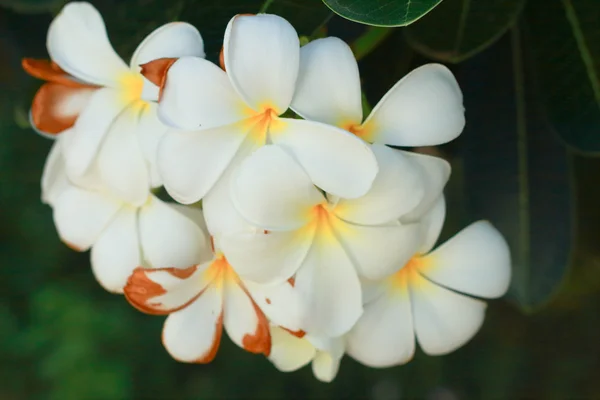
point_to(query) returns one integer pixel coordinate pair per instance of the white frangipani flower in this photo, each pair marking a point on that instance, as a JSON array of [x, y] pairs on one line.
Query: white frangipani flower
[[290, 353], [105, 109], [423, 109], [324, 241], [223, 115], [430, 296], [202, 299], [122, 235]]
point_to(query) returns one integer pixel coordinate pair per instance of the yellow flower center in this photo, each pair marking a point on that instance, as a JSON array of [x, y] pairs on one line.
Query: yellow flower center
[[131, 85], [220, 272]]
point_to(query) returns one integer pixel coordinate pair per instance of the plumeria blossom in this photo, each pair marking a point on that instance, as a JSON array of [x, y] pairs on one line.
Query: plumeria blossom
[[290, 353], [433, 297], [203, 299], [122, 236], [223, 116], [104, 109], [423, 109], [325, 240]]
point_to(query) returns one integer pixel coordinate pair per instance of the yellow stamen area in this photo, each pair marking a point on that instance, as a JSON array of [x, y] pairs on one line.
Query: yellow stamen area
[[363, 131], [409, 274], [260, 124], [220, 272], [131, 85], [324, 225]]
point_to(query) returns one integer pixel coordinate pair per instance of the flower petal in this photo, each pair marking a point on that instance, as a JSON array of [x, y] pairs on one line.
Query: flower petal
[[272, 191], [328, 88], [78, 43], [81, 215], [443, 320], [433, 222], [384, 335], [288, 352], [245, 323], [335, 160], [172, 40], [116, 253], [161, 291], [379, 251], [281, 303], [168, 238], [193, 334], [262, 55], [435, 172], [424, 108], [267, 258], [54, 177], [81, 147], [331, 289], [150, 131], [198, 94], [121, 163], [56, 107], [325, 367], [475, 261], [397, 189], [190, 163]]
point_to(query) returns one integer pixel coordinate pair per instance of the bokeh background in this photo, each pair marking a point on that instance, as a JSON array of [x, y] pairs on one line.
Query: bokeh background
[[526, 161]]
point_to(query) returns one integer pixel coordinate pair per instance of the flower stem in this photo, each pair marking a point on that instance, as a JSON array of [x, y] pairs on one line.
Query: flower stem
[[369, 41]]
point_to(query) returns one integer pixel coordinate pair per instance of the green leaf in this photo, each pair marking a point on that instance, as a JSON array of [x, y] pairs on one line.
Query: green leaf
[[130, 21], [33, 6], [382, 12], [565, 37], [516, 173], [459, 29]]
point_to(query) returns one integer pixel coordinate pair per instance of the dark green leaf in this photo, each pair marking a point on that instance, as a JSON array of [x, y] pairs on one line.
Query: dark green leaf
[[382, 12], [33, 6], [516, 173], [459, 29], [565, 37]]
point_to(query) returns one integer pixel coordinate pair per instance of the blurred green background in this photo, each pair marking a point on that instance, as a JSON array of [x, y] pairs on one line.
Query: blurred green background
[[529, 73]]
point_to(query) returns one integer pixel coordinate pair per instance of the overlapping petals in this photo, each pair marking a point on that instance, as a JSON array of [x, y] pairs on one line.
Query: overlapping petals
[[430, 297], [423, 109], [261, 57]]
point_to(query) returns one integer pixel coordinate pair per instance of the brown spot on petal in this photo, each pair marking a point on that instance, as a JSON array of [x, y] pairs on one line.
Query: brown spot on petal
[[73, 246], [298, 334], [182, 273], [49, 110], [222, 59], [260, 341], [292, 281], [212, 353], [49, 71], [268, 300], [212, 243], [156, 72]]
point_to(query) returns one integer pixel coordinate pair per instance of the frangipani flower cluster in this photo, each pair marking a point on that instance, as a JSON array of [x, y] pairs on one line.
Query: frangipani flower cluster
[[315, 237]]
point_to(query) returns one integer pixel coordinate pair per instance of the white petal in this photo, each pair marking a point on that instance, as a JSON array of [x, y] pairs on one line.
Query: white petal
[[150, 132], [281, 303], [272, 191], [433, 222], [170, 239], [172, 40], [121, 163], [435, 172], [267, 258], [198, 95], [245, 324], [161, 291], [54, 177], [330, 288], [81, 147], [384, 335], [475, 261], [325, 367], [335, 160], [397, 189], [81, 215], [379, 251], [444, 320], [193, 334], [328, 87], [116, 253], [288, 352], [78, 43], [423, 109], [190, 163], [193, 213], [262, 55]]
